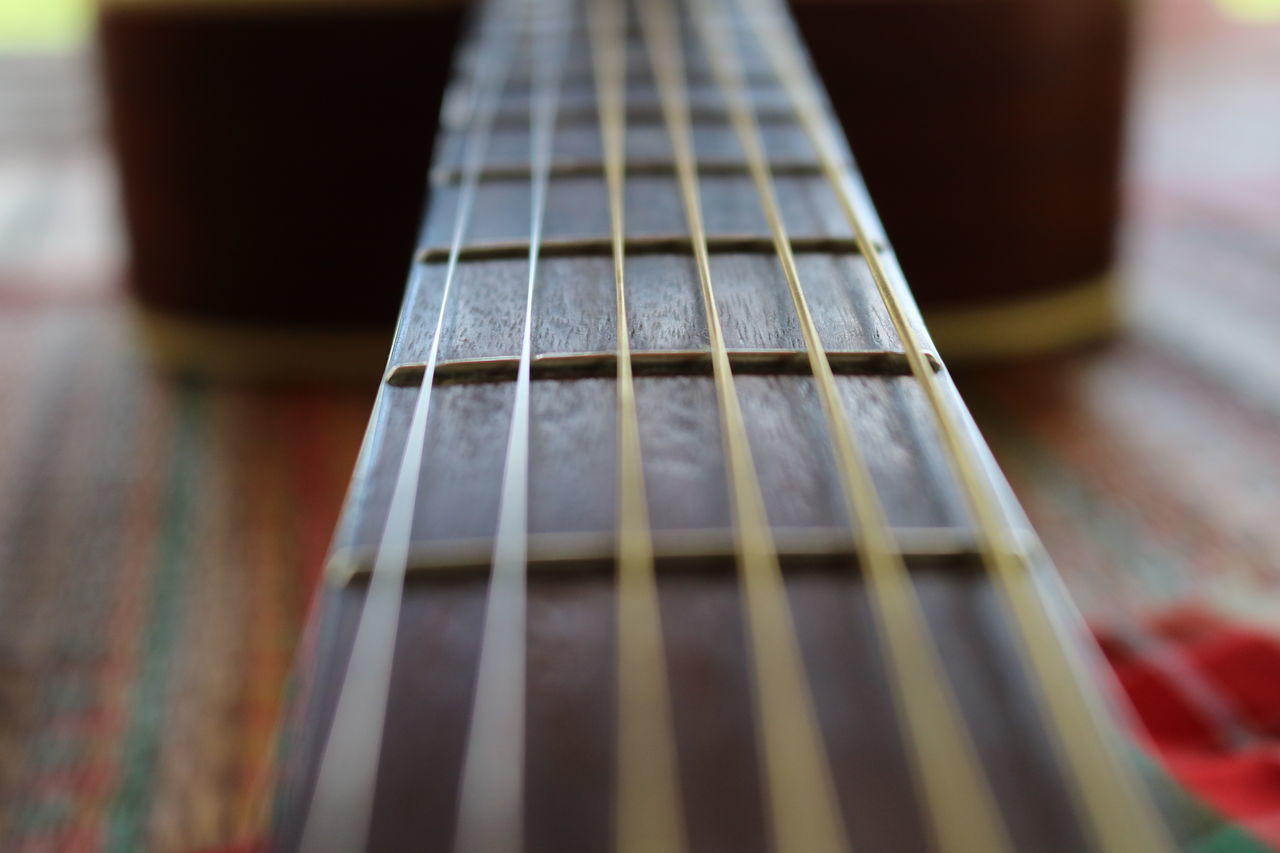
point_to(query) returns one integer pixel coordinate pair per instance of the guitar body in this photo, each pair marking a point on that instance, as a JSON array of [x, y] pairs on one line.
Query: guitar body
[[615, 579], [246, 134], [251, 149], [991, 140]]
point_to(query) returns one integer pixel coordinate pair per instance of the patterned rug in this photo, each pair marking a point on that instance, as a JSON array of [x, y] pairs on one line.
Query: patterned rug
[[158, 540]]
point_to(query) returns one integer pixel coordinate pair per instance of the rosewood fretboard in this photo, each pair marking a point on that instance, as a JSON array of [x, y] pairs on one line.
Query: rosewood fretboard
[[670, 532]]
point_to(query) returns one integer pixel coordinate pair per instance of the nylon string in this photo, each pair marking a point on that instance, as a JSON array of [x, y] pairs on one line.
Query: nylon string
[[491, 799], [963, 814], [1119, 814], [800, 792], [649, 813], [341, 804]]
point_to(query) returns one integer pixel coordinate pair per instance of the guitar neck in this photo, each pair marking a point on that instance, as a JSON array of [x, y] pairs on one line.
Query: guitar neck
[[670, 530]]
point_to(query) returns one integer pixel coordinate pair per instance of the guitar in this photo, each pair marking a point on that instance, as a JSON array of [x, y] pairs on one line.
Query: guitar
[[670, 531]]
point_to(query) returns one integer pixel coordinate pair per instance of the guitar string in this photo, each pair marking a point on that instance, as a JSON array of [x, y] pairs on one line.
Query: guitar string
[[800, 791], [1121, 817], [341, 805], [491, 798], [649, 815], [962, 810]]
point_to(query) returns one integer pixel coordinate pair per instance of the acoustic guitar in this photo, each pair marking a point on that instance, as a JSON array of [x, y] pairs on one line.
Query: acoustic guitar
[[670, 531]]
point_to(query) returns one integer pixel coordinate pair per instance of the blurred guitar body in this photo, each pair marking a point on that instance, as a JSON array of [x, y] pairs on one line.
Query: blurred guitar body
[[273, 152], [990, 135], [272, 160]]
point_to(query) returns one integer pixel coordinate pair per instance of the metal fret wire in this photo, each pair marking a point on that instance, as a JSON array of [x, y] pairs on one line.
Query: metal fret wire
[[590, 169], [800, 790], [1121, 816], [341, 805], [491, 798], [654, 362], [681, 550], [654, 244], [962, 810], [649, 813]]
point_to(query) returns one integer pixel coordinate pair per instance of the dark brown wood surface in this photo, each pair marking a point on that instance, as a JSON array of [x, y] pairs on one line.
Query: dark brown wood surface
[[989, 133], [571, 652], [253, 140]]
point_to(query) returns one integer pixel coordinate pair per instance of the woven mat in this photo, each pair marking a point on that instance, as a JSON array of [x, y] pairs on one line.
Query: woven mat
[[158, 540], [1151, 467]]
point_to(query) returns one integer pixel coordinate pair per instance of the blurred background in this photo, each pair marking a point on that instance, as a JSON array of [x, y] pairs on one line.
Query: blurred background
[[159, 537]]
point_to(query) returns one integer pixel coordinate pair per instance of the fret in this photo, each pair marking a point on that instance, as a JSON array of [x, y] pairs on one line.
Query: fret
[[578, 74], [592, 169], [585, 247], [710, 113], [581, 365], [640, 86], [705, 103], [830, 549]]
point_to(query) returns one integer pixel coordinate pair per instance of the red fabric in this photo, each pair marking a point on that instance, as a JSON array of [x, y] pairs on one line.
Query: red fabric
[[1208, 694]]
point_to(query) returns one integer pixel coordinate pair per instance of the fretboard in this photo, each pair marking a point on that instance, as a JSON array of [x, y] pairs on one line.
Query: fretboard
[[670, 531]]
